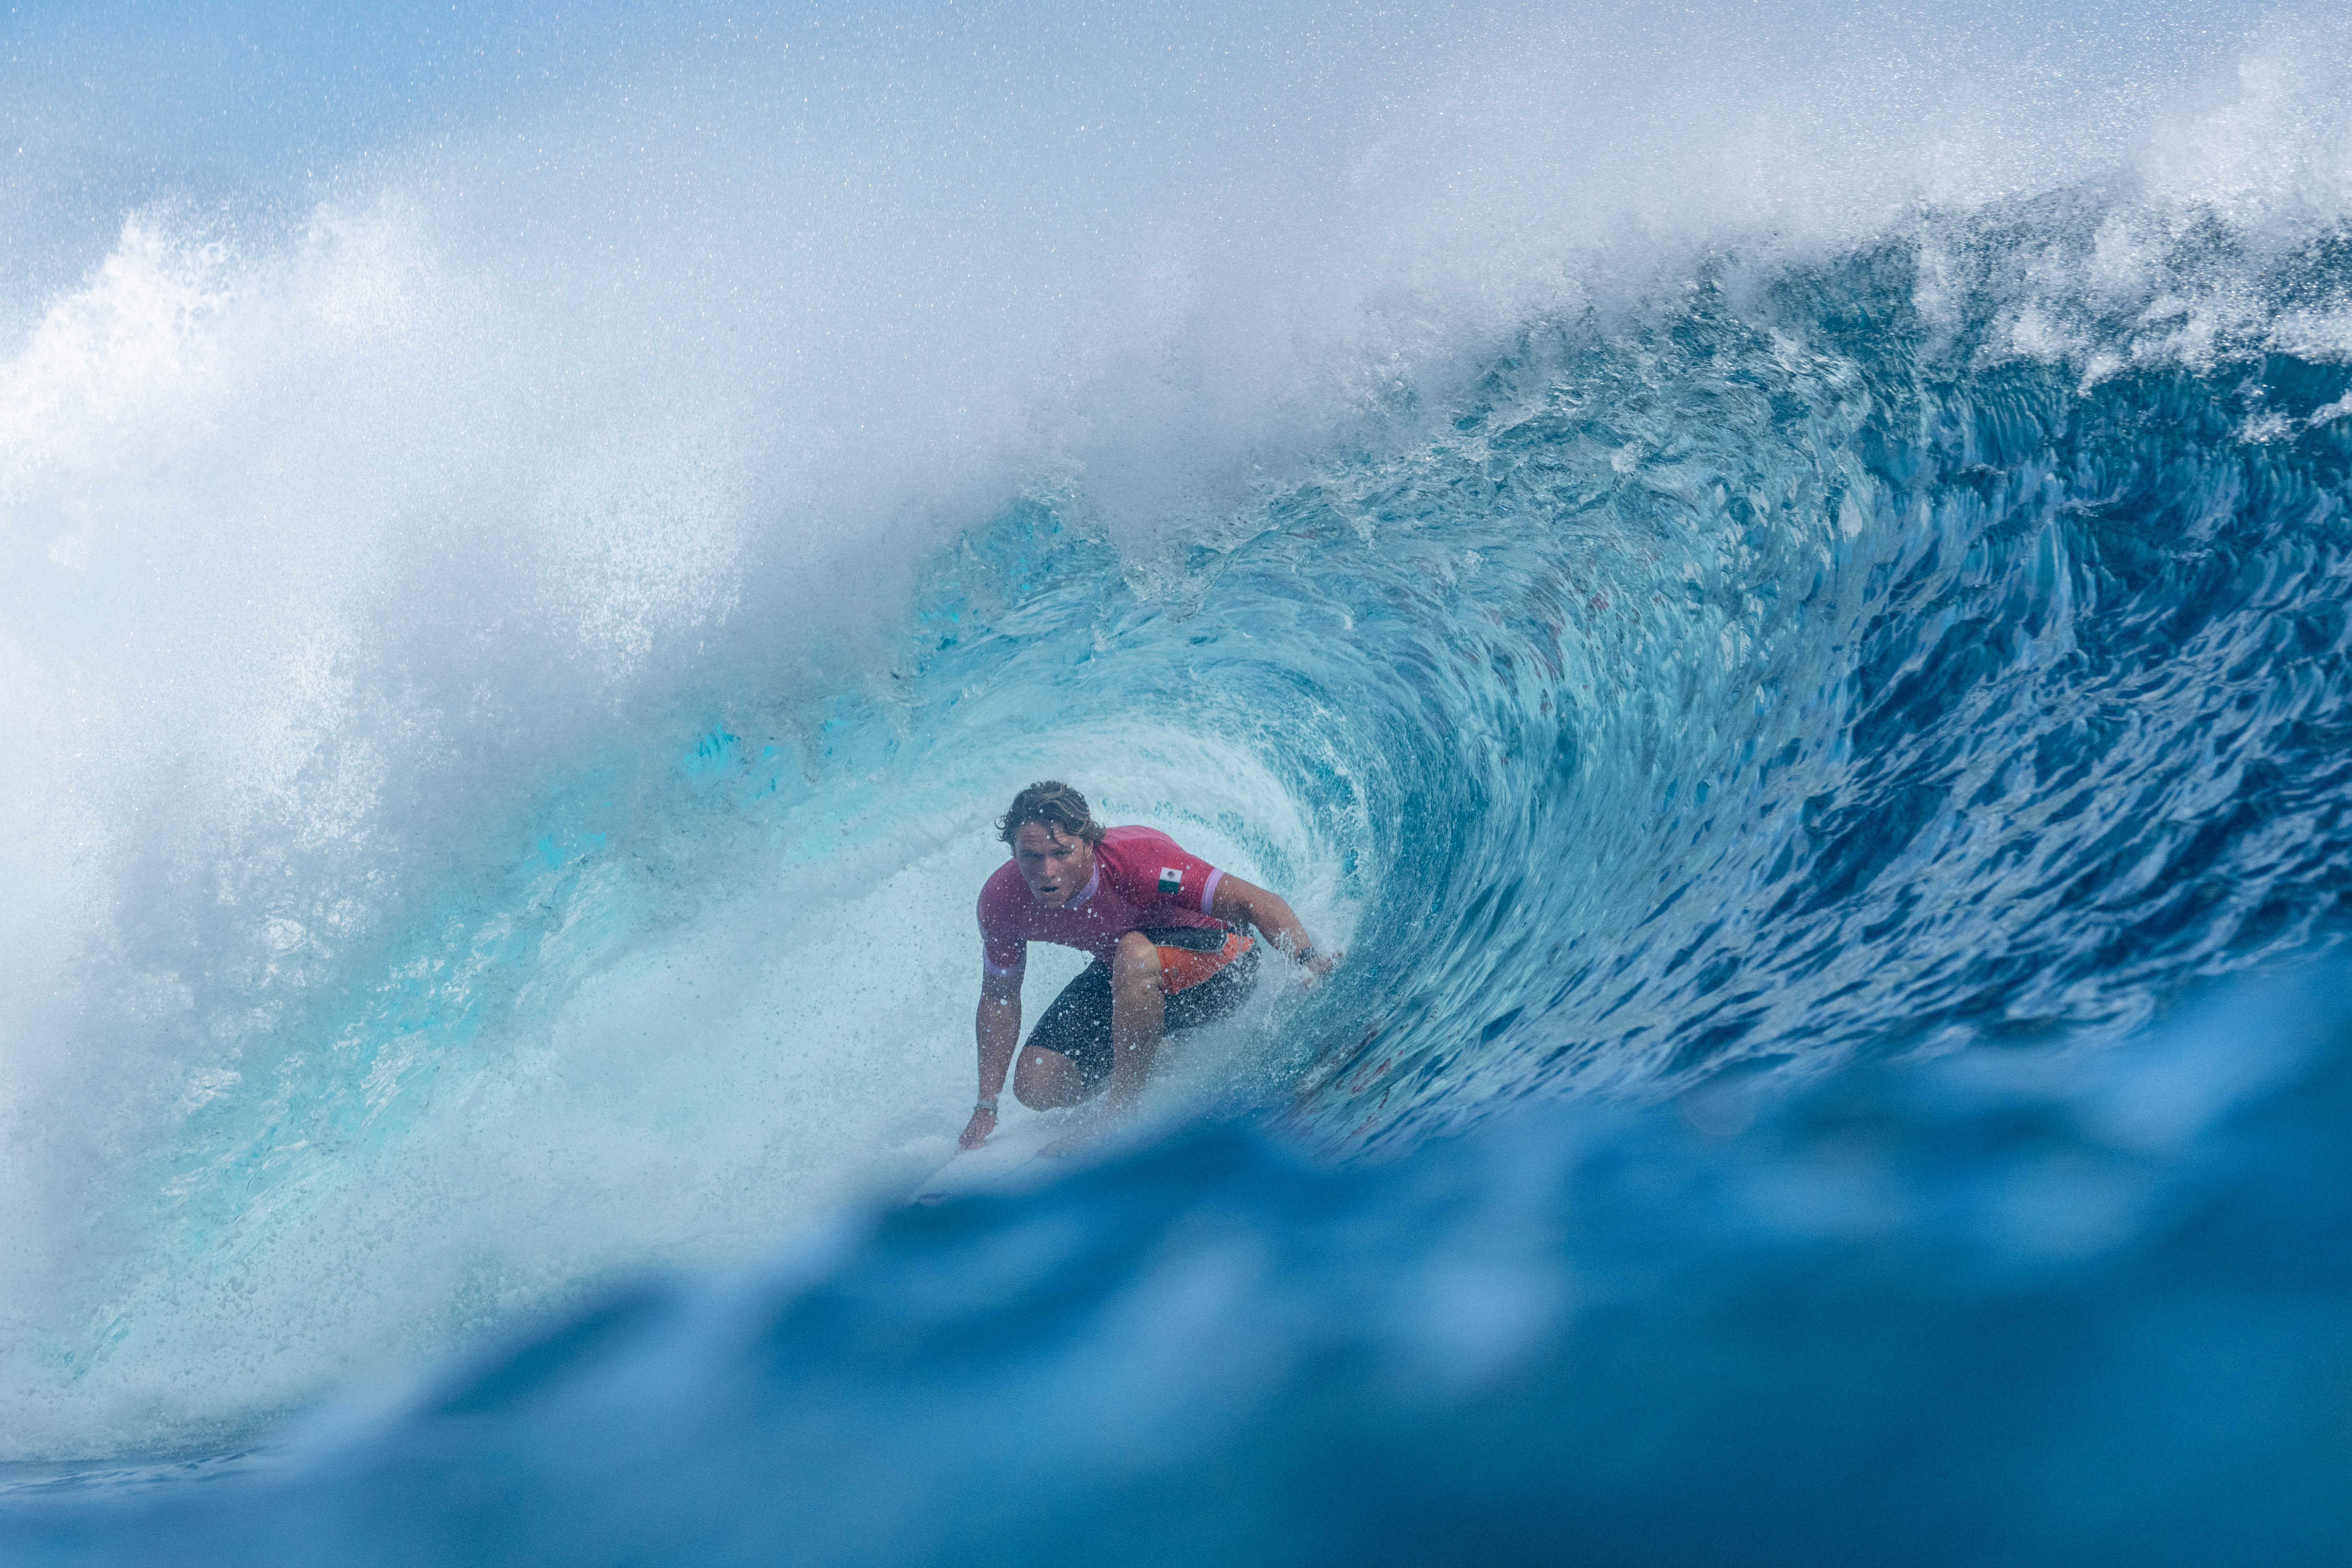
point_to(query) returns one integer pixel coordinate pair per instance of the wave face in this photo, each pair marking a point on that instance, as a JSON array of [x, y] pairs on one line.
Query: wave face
[[510, 731], [1830, 707]]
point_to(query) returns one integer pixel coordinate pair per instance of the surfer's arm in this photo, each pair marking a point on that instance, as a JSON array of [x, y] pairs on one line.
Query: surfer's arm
[[1238, 901], [998, 1027]]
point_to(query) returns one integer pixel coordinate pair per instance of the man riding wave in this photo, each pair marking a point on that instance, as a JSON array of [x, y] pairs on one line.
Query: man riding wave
[[1167, 933]]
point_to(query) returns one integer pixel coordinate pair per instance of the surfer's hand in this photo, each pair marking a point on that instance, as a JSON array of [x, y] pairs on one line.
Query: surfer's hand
[[976, 1131], [1316, 964]]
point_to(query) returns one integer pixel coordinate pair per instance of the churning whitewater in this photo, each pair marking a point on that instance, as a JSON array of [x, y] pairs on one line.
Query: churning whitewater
[[1795, 705]]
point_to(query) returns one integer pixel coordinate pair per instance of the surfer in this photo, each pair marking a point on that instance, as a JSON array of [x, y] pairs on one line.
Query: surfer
[[1169, 934]]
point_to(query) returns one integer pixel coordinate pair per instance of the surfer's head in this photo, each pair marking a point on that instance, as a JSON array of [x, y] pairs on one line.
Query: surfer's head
[[1053, 836], [1055, 806]]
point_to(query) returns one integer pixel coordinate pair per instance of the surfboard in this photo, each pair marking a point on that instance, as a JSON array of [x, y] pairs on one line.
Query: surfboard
[[1007, 1162]]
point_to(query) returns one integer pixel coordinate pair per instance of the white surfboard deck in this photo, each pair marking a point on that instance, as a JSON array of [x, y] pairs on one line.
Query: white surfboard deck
[[1007, 1162]]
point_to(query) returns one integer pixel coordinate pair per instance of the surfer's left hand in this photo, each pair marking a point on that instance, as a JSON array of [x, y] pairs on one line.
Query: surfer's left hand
[[1318, 963]]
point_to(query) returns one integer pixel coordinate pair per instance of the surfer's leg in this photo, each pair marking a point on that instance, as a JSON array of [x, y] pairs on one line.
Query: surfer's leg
[[1137, 1012], [1068, 1057], [1045, 1081]]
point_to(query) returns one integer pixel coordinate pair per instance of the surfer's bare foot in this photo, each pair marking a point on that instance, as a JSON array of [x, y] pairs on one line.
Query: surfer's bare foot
[[976, 1131]]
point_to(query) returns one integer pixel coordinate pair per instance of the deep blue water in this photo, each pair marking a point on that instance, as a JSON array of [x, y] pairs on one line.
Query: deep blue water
[[1998, 1309], [1828, 754]]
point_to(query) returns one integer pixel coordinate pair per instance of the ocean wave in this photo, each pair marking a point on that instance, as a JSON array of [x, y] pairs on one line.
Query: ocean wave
[[509, 675]]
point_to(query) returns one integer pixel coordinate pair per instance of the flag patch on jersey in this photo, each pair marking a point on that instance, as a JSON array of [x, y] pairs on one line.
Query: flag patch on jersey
[[1172, 880]]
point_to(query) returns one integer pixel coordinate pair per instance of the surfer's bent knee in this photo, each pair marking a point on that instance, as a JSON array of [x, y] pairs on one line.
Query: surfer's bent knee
[[1136, 958], [1046, 1079]]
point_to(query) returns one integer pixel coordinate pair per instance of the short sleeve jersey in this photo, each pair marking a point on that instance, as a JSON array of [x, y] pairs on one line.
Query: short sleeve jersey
[[1143, 878]]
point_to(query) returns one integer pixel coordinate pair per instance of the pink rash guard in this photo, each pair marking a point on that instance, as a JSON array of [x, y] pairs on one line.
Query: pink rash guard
[[1142, 879]]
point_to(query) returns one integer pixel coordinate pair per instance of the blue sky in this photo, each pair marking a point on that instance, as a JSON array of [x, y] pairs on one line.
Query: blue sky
[[244, 92], [250, 105], [256, 106], [247, 90]]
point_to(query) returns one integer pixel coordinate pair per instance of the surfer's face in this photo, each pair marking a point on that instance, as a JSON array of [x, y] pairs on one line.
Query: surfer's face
[[1057, 866]]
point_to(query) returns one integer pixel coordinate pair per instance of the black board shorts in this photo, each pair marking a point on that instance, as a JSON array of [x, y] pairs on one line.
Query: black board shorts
[[1077, 1024]]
